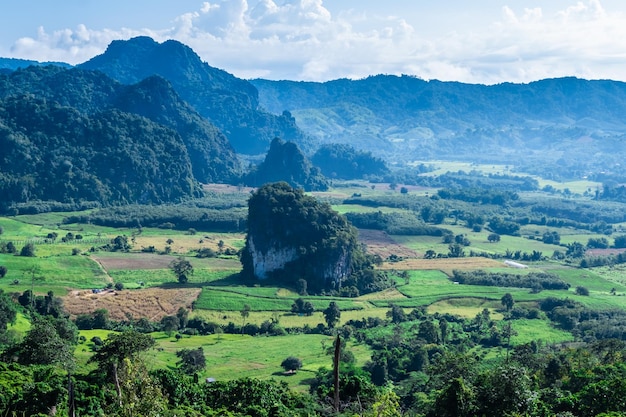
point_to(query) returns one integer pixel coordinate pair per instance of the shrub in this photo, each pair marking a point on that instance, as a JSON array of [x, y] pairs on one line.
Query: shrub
[[291, 364]]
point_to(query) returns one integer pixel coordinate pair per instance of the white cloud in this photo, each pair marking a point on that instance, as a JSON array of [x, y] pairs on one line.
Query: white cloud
[[301, 39]]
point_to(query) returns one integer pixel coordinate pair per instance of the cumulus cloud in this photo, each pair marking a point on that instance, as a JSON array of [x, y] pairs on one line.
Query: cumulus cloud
[[302, 39]]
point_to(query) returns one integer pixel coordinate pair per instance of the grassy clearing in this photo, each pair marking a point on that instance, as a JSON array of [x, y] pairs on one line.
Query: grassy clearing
[[289, 320], [58, 272], [466, 307], [220, 299], [538, 330], [239, 356]]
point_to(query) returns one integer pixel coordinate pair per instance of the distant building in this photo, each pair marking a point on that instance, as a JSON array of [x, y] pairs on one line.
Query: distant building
[[515, 264]]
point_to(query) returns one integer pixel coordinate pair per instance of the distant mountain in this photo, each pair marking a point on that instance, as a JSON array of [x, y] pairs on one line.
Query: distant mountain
[[285, 162], [578, 126], [228, 102], [11, 64]]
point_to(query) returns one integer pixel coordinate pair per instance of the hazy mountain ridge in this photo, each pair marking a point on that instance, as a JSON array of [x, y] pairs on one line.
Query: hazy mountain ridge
[[404, 118]]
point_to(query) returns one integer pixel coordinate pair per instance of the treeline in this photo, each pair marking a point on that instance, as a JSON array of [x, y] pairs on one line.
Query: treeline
[[395, 223], [535, 280], [178, 217]]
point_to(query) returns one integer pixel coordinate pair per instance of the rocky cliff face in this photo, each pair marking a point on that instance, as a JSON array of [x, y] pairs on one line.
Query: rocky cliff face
[[271, 260], [292, 236]]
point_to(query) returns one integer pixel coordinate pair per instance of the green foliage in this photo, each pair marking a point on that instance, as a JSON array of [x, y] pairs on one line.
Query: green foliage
[[540, 280], [8, 312], [56, 153], [28, 250], [182, 269], [291, 363], [332, 314], [191, 360], [50, 341]]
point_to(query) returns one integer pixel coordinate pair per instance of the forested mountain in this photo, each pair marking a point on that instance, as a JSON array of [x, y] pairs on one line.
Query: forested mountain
[[50, 152], [285, 162], [575, 125], [228, 102], [51, 117]]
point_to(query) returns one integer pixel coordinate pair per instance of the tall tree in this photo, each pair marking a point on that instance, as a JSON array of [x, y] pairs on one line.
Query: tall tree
[[118, 353], [332, 314], [181, 268], [507, 301]]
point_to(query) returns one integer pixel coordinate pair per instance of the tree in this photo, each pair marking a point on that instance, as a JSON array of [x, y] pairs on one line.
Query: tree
[[119, 353], [493, 237], [456, 251], [507, 301], [8, 311], [183, 316], [28, 250], [44, 344], [245, 313], [580, 290], [191, 360], [291, 364], [170, 324], [427, 331], [397, 314], [301, 286], [332, 314], [120, 243], [575, 250], [181, 268], [3, 271]]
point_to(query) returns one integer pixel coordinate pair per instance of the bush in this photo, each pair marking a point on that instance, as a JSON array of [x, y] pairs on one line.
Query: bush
[[28, 250], [291, 364], [580, 290]]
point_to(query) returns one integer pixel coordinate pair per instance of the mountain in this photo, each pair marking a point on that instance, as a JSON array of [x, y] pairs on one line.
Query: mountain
[[574, 126], [228, 102], [89, 92], [55, 153], [292, 236], [285, 162], [11, 64], [52, 123]]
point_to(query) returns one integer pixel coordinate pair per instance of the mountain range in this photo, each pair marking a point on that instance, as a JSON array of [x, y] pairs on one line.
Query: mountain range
[[165, 97]]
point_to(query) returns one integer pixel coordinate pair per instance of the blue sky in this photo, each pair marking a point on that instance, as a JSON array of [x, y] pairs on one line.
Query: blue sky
[[484, 41]]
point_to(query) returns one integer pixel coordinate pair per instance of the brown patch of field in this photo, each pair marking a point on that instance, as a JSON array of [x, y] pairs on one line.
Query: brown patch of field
[[446, 265], [151, 303], [130, 261], [380, 243]]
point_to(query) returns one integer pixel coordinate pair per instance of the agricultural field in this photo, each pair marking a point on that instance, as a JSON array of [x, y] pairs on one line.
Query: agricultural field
[[84, 276]]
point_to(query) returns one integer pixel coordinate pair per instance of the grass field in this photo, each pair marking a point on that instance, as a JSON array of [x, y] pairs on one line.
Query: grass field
[[217, 294], [238, 356]]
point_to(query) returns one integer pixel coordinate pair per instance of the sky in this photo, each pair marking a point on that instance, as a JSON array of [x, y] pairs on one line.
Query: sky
[[479, 41]]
